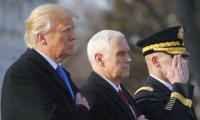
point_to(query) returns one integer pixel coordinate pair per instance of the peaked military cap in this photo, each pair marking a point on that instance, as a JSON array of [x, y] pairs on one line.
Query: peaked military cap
[[169, 41]]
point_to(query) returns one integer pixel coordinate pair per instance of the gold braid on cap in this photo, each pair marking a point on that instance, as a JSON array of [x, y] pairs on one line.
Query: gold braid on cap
[[174, 50], [169, 47], [161, 45]]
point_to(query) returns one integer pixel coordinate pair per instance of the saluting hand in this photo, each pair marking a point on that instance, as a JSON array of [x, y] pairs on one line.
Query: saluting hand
[[179, 71]]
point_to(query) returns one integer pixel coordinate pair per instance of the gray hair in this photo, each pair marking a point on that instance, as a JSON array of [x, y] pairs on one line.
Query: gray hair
[[100, 43]]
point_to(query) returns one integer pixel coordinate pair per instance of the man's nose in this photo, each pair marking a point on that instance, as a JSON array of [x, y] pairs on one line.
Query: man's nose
[[72, 35], [129, 58]]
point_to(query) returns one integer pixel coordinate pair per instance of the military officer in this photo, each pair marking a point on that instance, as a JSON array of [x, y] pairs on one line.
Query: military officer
[[166, 95]]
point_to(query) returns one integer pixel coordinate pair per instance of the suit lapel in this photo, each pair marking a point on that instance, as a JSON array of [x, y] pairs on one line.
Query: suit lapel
[[45, 66], [74, 87], [111, 93]]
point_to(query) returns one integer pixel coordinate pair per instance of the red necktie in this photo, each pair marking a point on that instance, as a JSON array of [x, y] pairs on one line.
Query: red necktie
[[125, 99]]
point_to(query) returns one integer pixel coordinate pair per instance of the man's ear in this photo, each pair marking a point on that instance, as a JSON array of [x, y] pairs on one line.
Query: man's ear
[[41, 39], [99, 59], [155, 61]]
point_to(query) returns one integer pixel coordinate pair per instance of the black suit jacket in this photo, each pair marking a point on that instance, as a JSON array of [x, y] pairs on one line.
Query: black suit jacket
[[158, 103], [105, 102], [32, 90]]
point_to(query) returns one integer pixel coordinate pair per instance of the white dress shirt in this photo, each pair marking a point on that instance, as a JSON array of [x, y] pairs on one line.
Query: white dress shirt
[[168, 85], [49, 60], [116, 87]]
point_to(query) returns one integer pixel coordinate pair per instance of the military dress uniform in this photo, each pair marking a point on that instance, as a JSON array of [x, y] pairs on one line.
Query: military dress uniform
[[156, 100]]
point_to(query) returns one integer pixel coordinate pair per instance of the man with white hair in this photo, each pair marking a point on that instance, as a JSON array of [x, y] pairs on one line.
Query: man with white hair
[[36, 87], [166, 94], [109, 56]]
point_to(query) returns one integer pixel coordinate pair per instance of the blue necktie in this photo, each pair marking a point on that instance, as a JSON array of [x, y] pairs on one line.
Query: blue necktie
[[62, 74]]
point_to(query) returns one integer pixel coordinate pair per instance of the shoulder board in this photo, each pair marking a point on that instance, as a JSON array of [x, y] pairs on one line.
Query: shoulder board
[[144, 89]]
